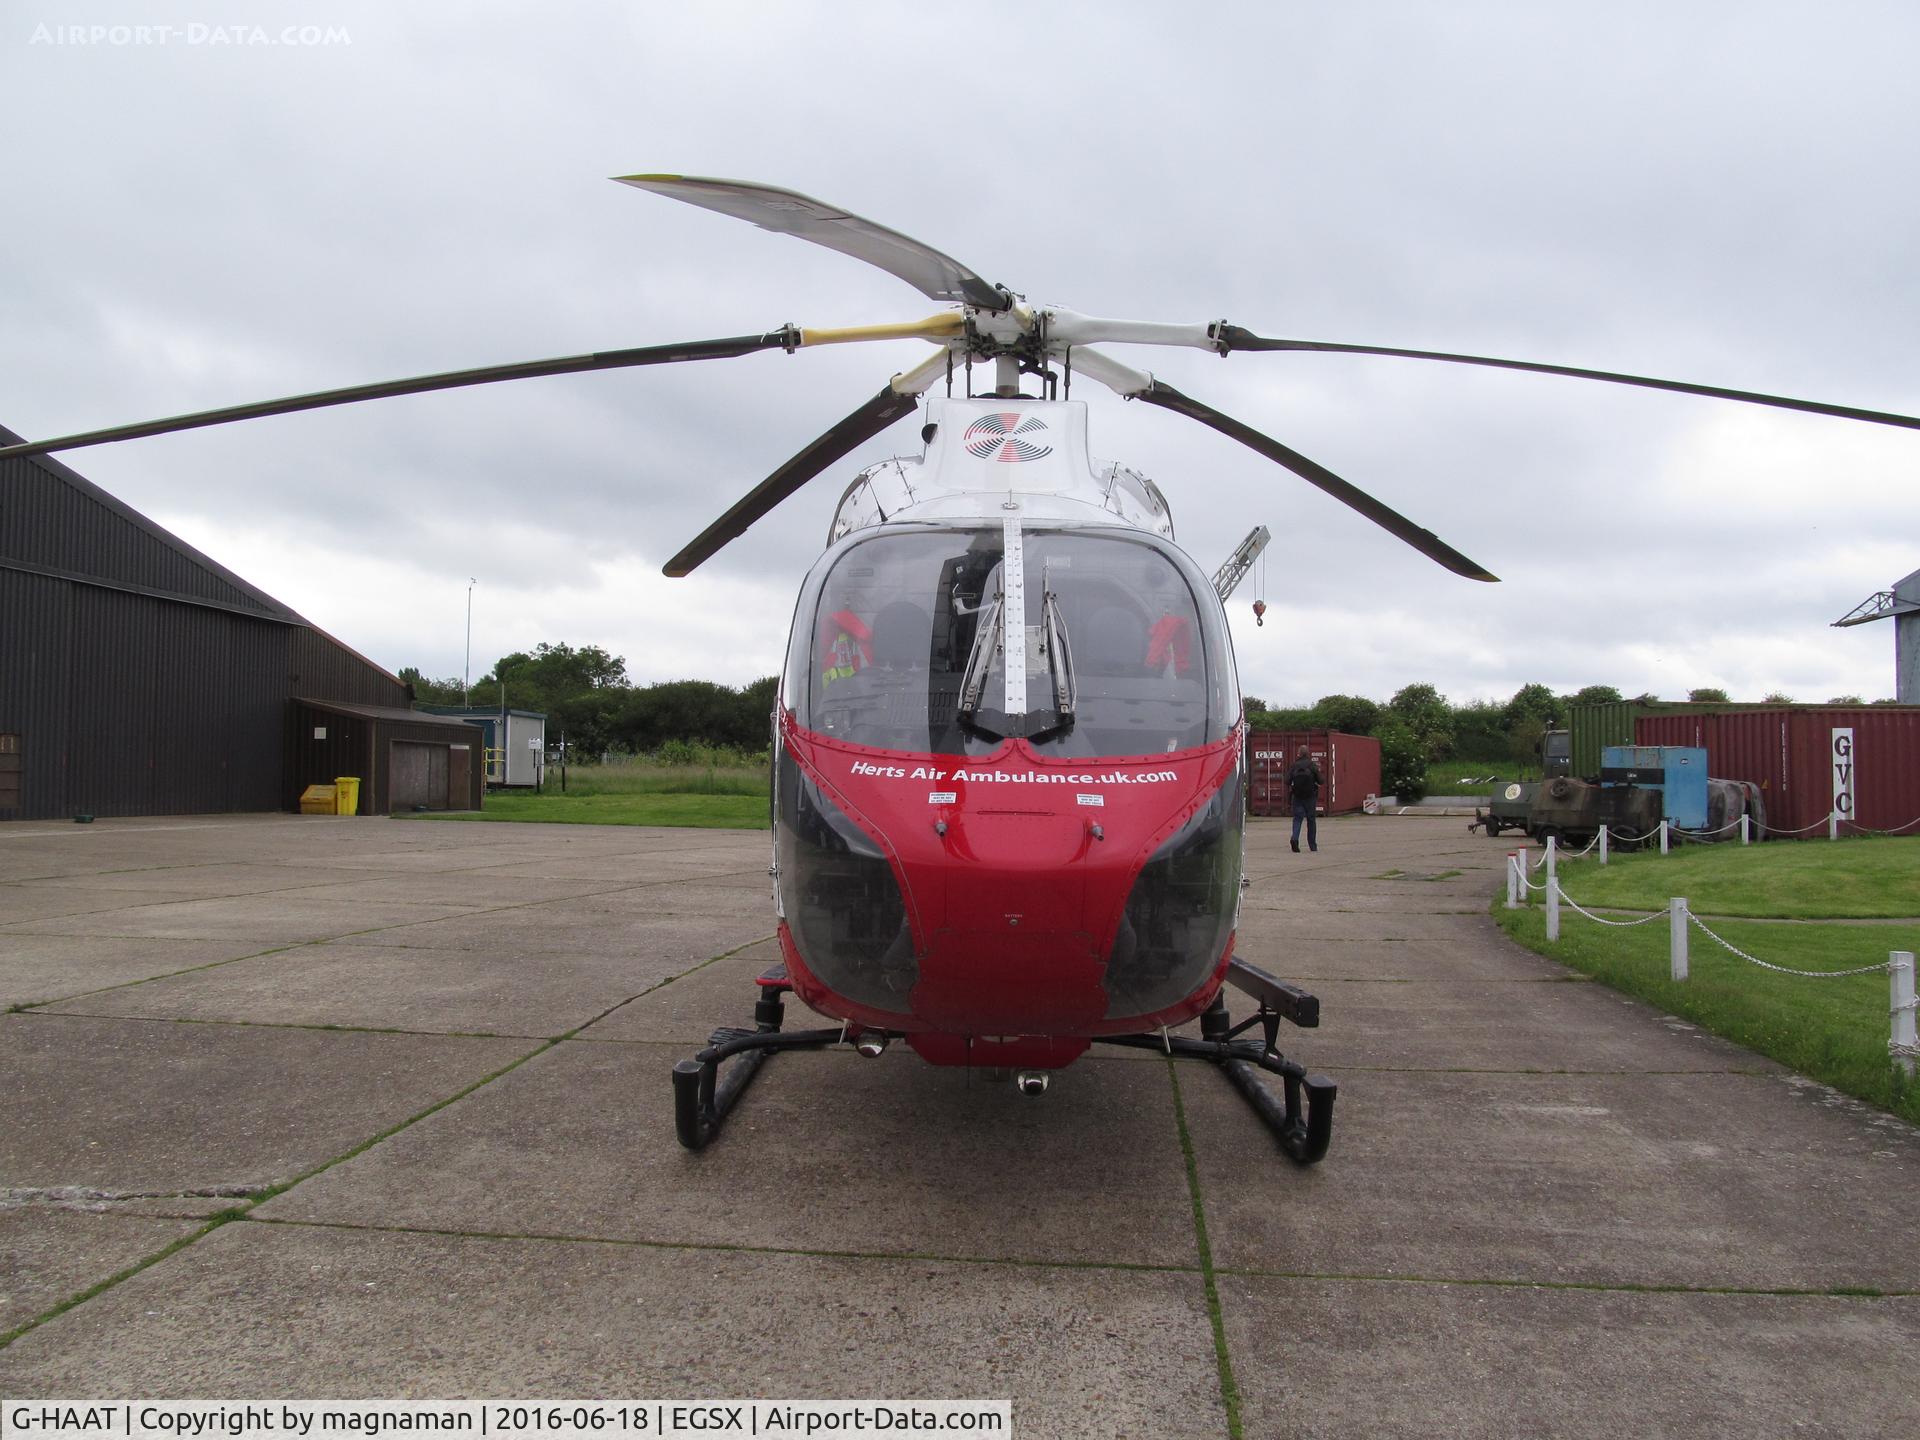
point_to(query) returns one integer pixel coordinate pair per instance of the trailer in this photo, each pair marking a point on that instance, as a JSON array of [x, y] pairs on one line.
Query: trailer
[[1572, 811]]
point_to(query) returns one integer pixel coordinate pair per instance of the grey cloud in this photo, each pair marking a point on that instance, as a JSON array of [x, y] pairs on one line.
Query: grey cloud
[[1715, 192]]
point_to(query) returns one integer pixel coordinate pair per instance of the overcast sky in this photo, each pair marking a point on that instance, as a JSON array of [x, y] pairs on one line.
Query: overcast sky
[[205, 212]]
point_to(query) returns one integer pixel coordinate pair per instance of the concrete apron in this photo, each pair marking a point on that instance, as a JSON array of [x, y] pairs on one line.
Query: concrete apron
[[426, 1066]]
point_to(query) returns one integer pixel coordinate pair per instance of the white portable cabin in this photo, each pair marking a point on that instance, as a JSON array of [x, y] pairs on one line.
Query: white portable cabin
[[516, 742], [521, 748]]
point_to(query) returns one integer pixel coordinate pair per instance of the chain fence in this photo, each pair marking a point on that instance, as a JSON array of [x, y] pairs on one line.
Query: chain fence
[[1759, 831], [1864, 830], [1819, 824], [1603, 920], [1704, 837], [1729, 946], [1903, 1049], [1653, 834]]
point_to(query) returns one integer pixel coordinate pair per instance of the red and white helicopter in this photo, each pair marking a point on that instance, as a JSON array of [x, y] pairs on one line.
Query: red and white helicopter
[[1008, 784]]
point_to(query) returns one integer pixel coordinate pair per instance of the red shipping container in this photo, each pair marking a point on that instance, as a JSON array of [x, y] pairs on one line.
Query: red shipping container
[[1789, 752], [1349, 769]]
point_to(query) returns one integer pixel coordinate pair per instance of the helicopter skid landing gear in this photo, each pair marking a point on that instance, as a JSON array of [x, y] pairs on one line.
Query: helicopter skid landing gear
[[1301, 1117], [702, 1098]]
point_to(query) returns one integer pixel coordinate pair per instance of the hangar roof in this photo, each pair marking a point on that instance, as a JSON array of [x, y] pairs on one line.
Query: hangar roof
[[384, 712], [57, 522]]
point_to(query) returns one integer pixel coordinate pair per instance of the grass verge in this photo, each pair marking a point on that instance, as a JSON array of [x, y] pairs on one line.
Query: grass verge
[[1869, 878], [699, 811], [641, 777], [1834, 1030]]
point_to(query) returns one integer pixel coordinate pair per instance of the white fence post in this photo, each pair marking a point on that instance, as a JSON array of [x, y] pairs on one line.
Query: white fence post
[[1603, 843], [1677, 937], [1663, 837], [1900, 971], [1833, 825], [1513, 880], [1745, 828], [1553, 888]]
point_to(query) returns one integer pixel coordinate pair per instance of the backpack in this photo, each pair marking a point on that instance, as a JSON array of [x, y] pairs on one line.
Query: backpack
[[1302, 781]]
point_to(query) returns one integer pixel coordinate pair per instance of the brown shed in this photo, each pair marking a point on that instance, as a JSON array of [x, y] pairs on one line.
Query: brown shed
[[405, 760]]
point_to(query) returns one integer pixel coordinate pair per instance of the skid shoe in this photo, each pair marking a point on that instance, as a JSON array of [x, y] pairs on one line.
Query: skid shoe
[[1301, 1116], [703, 1095]]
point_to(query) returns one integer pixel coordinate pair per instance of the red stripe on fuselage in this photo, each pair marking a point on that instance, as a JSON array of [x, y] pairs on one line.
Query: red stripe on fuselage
[[1013, 909]]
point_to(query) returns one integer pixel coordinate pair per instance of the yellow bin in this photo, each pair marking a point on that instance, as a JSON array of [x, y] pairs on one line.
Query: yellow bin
[[346, 790], [320, 800]]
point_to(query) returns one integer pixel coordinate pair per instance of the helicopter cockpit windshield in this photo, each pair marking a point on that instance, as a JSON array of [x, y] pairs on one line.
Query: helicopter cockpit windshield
[[904, 643]]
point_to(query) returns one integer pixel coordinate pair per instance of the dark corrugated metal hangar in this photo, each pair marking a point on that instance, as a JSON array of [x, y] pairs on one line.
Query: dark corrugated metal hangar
[[140, 677]]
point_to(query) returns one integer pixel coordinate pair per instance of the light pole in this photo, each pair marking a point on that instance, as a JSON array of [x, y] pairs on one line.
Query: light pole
[[466, 675]]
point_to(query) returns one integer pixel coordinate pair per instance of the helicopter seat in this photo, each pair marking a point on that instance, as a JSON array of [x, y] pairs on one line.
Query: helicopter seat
[[1115, 646], [901, 636]]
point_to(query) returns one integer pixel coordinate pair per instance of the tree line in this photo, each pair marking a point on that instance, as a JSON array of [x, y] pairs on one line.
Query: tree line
[[1419, 726], [586, 694]]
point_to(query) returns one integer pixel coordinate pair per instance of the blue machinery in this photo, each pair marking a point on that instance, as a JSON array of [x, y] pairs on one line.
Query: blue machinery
[[1678, 772]]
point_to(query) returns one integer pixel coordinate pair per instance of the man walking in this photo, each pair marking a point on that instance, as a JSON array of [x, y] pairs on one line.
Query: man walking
[[1303, 785]]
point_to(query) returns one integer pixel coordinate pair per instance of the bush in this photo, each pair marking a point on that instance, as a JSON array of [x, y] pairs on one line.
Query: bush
[[1480, 732], [677, 752], [1424, 711], [1295, 718], [700, 754], [1349, 714], [1403, 761]]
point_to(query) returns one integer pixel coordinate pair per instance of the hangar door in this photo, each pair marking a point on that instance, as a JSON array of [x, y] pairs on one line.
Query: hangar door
[[420, 776]]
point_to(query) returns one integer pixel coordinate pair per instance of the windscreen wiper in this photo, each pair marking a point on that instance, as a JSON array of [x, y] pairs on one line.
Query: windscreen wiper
[[986, 638], [1059, 665], [1059, 655]]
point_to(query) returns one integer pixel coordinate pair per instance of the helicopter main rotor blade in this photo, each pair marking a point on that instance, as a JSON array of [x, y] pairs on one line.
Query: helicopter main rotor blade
[[937, 276], [1232, 337], [786, 338], [1138, 385], [899, 398], [1425, 541]]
